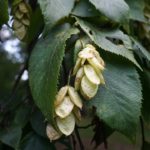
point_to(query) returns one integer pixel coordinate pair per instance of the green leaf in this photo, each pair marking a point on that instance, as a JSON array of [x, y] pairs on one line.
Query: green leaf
[[139, 49], [116, 10], [85, 9], [136, 9], [11, 136], [118, 103], [103, 39], [44, 69], [38, 120], [54, 10], [3, 12], [145, 76], [22, 115], [33, 141]]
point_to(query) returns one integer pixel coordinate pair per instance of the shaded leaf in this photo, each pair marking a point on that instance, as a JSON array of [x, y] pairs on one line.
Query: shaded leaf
[[145, 76], [136, 9], [38, 120], [85, 9], [116, 10], [11, 136], [139, 49], [3, 12], [33, 141], [101, 39], [44, 69], [54, 10], [119, 102]]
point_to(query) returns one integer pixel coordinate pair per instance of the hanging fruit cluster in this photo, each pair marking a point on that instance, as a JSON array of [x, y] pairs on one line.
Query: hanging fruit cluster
[[88, 76], [88, 70], [67, 108], [21, 19]]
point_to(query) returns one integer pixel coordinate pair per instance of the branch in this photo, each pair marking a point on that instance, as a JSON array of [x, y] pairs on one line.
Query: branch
[[85, 127], [142, 131], [79, 139]]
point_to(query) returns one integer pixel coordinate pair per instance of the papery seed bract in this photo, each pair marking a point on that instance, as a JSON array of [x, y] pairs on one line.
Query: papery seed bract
[[64, 108], [102, 78], [23, 7], [91, 74], [77, 113], [52, 133], [78, 78], [83, 61], [18, 14], [77, 66], [95, 63], [86, 53], [74, 96], [88, 89], [21, 32], [66, 125], [16, 24], [25, 21], [90, 46], [60, 95]]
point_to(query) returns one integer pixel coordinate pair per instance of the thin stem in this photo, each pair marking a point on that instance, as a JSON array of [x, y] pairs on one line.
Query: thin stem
[[85, 127], [79, 139], [74, 142], [142, 131]]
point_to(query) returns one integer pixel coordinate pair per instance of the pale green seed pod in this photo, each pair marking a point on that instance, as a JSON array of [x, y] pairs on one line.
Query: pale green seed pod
[[52, 134], [61, 95], [91, 74], [95, 64], [78, 78], [77, 113], [21, 32], [77, 66], [88, 89], [74, 96], [64, 108], [67, 124]]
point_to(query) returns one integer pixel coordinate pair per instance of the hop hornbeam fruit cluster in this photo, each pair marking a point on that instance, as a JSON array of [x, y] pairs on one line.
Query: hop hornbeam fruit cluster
[[21, 19], [88, 71], [67, 108]]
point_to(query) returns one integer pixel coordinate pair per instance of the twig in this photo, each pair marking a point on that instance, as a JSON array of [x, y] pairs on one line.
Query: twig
[[18, 78], [142, 131], [84, 127], [73, 142], [79, 139]]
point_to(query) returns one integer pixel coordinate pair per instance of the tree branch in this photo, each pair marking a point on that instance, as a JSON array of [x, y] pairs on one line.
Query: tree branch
[[79, 139]]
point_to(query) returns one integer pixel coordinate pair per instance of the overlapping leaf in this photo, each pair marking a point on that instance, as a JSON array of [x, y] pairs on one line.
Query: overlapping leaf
[[116, 10], [119, 102], [44, 69], [54, 10], [101, 38], [136, 9]]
